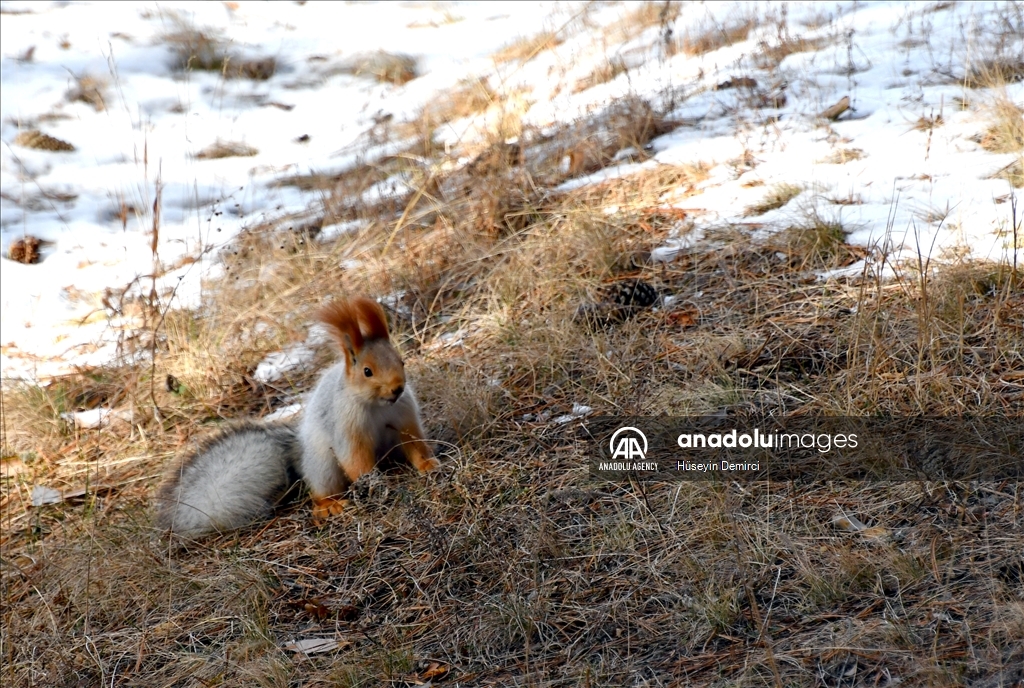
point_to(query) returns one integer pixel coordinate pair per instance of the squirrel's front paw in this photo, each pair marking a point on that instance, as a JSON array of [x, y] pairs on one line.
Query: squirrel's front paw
[[428, 463], [423, 461], [327, 507]]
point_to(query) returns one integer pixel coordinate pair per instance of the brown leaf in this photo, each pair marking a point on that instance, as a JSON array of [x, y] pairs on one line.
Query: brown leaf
[[315, 608], [435, 670], [683, 318]]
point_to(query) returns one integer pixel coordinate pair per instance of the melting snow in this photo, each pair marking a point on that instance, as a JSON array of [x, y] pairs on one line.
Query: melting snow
[[897, 61]]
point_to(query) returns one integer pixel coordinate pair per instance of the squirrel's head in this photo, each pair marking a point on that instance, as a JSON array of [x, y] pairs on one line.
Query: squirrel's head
[[373, 368]]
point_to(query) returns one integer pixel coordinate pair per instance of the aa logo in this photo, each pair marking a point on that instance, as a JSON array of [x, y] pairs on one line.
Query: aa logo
[[628, 445]]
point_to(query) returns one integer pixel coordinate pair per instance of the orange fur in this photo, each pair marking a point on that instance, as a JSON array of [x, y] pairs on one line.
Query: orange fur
[[354, 322], [371, 319], [324, 507], [415, 449], [362, 459]]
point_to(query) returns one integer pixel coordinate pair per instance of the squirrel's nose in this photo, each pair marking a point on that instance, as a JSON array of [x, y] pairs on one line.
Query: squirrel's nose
[[397, 391]]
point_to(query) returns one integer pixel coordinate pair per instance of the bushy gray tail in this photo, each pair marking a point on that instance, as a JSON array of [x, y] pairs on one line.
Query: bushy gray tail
[[232, 480]]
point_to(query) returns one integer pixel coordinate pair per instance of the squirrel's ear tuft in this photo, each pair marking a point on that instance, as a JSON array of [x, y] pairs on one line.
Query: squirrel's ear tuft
[[342, 320], [372, 324], [354, 322]]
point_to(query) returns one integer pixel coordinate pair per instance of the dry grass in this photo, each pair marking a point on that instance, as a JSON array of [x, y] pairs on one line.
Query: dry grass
[[640, 17], [778, 196], [89, 89], [850, 198], [602, 74], [715, 37], [928, 123], [842, 156], [36, 139], [527, 47], [628, 123], [447, 18], [205, 49], [257, 69], [818, 242], [25, 250], [385, 67], [195, 48], [1006, 133], [997, 70], [772, 54], [226, 149], [468, 98], [511, 565], [1013, 173]]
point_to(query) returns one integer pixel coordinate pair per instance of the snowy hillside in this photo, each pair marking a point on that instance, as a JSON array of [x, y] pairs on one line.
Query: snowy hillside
[[208, 107]]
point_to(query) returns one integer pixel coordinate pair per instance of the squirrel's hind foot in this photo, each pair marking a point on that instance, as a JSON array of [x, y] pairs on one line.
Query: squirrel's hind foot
[[326, 507]]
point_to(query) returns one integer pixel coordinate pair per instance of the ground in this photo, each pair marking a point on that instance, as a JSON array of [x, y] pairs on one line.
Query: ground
[[696, 235]]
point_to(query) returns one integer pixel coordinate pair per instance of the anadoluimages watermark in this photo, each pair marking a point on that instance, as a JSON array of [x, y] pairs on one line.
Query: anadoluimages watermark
[[805, 448]]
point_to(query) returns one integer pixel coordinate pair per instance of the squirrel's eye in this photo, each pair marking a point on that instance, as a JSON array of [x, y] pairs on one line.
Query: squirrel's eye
[[367, 372]]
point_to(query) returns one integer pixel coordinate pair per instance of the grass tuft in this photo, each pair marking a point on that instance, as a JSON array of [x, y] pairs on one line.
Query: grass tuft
[[89, 89], [37, 140], [928, 123], [388, 68], [640, 17], [628, 123], [469, 97], [715, 37], [771, 55], [1006, 133], [842, 156], [526, 48], [1001, 70], [602, 74], [195, 48], [1013, 173], [816, 243], [205, 49], [226, 149], [778, 196]]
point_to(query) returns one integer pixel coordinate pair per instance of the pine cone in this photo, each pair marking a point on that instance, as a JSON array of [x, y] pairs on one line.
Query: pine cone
[[632, 294], [619, 302]]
